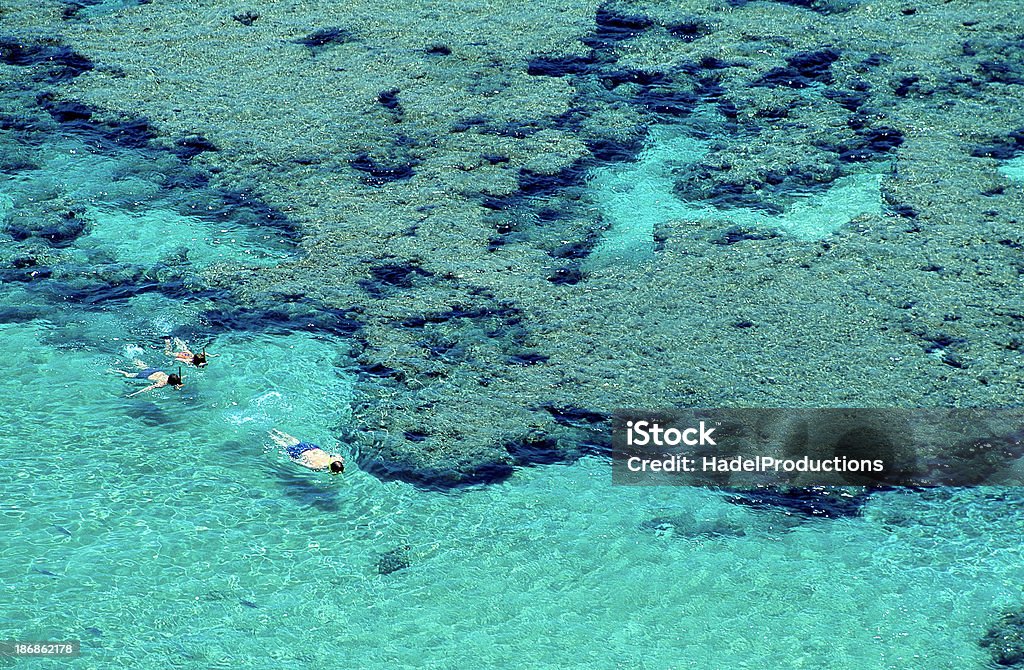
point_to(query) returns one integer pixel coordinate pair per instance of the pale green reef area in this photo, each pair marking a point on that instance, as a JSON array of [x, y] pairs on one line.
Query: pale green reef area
[[288, 119]]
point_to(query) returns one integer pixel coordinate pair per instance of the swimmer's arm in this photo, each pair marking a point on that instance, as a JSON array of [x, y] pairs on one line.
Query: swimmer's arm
[[148, 388]]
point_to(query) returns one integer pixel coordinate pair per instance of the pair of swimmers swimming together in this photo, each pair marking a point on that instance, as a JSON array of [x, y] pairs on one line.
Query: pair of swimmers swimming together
[[305, 454], [179, 352]]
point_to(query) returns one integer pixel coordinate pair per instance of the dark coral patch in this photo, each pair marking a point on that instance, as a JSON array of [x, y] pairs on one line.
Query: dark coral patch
[[735, 234], [301, 315], [870, 144], [802, 70], [54, 62], [576, 417], [389, 99], [326, 37], [389, 276], [104, 135], [567, 276], [379, 173], [527, 358], [1004, 640], [193, 145], [614, 26], [393, 560], [459, 475], [817, 502], [560, 66], [1003, 148], [689, 30]]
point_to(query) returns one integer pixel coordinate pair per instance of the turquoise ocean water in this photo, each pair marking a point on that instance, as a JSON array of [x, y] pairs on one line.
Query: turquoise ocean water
[[166, 531]]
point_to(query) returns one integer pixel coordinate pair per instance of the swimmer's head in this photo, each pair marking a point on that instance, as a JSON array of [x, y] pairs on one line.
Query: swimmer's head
[[199, 360], [174, 379], [337, 467]]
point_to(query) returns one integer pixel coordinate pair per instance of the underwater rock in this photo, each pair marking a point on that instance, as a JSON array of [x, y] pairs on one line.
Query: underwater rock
[[1003, 148], [389, 276], [667, 101], [819, 6], [101, 134], [503, 312], [325, 37], [388, 99], [614, 26], [567, 276], [57, 230], [1004, 640], [694, 528], [538, 184], [735, 234], [246, 18], [379, 173], [536, 448], [574, 250], [614, 149], [851, 100], [391, 460], [527, 358], [802, 70], [690, 29], [394, 560], [576, 416], [67, 111], [56, 62], [193, 145], [905, 86], [816, 502], [903, 210], [303, 316], [555, 66]]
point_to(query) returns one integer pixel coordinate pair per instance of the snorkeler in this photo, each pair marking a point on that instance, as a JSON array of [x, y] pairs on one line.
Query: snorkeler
[[158, 378], [307, 454], [184, 354]]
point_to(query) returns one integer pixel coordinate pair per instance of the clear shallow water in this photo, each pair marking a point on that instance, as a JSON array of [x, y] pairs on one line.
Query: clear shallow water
[[166, 531], [635, 197], [1013, 169], [131, 215]]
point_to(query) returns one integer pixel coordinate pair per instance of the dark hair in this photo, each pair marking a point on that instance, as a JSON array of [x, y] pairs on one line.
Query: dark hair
[[199, 359], [337, 467], [174, 379]]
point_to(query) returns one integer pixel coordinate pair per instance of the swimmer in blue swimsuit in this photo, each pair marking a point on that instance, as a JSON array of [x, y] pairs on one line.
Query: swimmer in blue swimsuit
[[154, 375], [307, 454]]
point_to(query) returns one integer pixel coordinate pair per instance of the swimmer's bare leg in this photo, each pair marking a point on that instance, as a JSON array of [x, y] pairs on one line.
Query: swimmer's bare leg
[[281, 438], [121, 372]]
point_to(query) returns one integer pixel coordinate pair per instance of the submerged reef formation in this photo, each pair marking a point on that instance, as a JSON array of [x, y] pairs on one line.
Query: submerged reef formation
[[446, 183], [1004, 640]]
